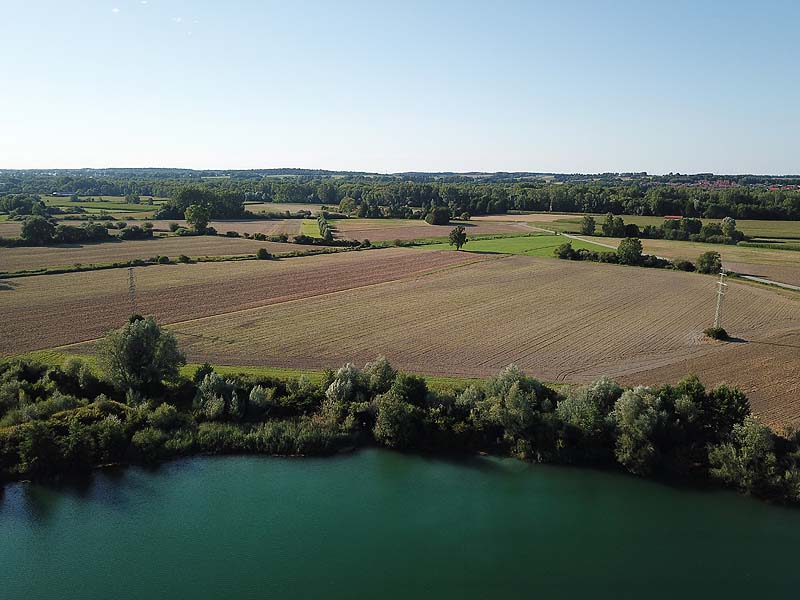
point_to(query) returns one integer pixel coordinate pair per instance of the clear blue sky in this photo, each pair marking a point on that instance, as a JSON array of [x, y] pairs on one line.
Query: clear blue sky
[[539, 86]]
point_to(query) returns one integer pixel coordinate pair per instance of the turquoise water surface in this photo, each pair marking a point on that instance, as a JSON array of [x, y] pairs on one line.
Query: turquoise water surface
[[382, 524]]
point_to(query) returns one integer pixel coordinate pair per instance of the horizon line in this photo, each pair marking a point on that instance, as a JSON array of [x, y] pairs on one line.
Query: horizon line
[[408, 172]]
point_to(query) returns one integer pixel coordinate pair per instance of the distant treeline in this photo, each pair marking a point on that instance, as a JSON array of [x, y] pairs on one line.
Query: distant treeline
[[138, 409], [21, 177], [388, 196]]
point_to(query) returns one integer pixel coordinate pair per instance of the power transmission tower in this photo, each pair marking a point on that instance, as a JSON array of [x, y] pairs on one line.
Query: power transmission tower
[[132, 291], [721, 285]]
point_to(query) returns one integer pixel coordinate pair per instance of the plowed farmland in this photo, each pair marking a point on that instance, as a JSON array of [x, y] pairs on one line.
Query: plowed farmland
[[439, 313], [783, 273], [560, 321], [35, 257], [10, 229], [399, 229], [266, 226], [52, 310], [767, 370]]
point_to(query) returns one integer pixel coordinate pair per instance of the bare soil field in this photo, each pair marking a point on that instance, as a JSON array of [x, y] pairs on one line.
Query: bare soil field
[[560, 321], [438, 313], [768, 372], [266, 226], [783, 273], [52, 310], [10, 229], [66, 255], [400, 229]]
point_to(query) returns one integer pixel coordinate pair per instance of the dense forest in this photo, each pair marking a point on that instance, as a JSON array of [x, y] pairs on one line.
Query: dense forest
[[749, 197], [138, 408]]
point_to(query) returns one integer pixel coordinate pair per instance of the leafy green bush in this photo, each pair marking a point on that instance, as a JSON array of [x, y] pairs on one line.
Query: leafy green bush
[[564, 251]]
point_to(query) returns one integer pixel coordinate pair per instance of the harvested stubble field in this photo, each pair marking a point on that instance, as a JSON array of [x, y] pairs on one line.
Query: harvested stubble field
[[560, 321], [377, 230], [52, 310], [438, 313], [265, 226], [779, 265], [10, 229], [36, 257], [768, 371]]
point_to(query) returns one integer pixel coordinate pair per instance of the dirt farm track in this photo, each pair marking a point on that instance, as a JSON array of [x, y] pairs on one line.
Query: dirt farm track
[[440, 313]]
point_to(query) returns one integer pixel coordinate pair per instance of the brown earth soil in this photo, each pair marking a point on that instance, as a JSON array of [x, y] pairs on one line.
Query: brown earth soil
[[439, 313], [265, 226], [10, 229], [768, 370], [52, 310], [395, 229], [783, 273], [35, 257], [571, 322]]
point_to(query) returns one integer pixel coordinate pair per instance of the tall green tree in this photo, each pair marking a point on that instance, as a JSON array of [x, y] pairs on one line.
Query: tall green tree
[[608, 225], [588, 225], [140, 356], [629, 251], [458, 237], [729, 227], [709, 262], [637, 416], [37, 230], [198, 215], [748, 459]]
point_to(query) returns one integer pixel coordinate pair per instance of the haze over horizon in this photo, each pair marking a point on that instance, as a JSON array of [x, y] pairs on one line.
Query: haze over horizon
[[583, 87]]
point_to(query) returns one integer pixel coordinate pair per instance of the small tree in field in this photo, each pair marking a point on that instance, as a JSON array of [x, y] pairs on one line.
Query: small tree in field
[[458, 237], [729, 227], [140, 356], [198, 215], [588, 225]]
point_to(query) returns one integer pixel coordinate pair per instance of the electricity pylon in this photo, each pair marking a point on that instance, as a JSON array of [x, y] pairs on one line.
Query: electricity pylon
[[721, 285], [132, 291]]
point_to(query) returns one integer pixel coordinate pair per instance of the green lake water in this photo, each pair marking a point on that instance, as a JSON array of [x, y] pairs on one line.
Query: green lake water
[[377, 524]]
